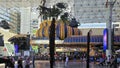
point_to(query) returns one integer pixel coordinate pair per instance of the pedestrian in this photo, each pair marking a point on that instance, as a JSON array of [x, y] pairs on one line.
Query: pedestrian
[[108, 60], [74, 58], [66, 60], [33, 61], [114, 62], [7, 61], [20, 62], [12, 62], [27, 63], [101, 60]]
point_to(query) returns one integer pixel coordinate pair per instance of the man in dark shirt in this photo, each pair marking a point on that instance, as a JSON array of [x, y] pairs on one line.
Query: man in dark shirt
[[20, 63]]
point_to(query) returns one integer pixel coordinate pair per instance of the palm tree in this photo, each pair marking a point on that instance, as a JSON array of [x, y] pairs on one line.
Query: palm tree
[[52, 43], [54, 11], [74, 23], [44, 12], [65, 17]]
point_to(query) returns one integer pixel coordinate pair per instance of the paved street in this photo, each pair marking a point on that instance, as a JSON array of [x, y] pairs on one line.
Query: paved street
[[45, 64]]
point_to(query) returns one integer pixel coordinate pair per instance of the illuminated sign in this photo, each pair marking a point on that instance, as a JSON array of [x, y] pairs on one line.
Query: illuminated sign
[[105, 39]]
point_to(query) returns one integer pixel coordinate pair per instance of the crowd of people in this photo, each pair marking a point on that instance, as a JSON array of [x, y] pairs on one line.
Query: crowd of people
[[100, 59], [10, 62], [109, 60]]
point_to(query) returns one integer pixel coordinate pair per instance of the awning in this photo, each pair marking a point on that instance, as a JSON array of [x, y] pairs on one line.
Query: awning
[[96, 39]]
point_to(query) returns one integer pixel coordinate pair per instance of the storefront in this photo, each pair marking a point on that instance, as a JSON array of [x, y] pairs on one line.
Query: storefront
[[77, 44]]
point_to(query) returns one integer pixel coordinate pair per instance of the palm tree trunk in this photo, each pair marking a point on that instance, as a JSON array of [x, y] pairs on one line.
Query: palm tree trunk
[[52, 43]]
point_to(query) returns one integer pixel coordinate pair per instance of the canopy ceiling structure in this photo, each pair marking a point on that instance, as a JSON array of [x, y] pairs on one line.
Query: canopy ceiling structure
[[85, 11], [97, 11], [19, 3], [92, 11]]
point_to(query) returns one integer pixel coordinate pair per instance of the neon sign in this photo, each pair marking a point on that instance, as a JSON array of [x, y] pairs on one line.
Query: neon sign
[[105, 39]]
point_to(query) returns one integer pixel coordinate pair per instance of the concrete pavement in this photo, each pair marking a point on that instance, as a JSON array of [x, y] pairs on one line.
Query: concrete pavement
[[45, 64]]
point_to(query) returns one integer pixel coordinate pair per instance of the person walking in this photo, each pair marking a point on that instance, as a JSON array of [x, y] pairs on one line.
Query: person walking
[[101, 60], [11, 62], [7, 62], [33, 61], [66, 60], [20, 63], [74, 58], [108, 60], [27, 63]]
